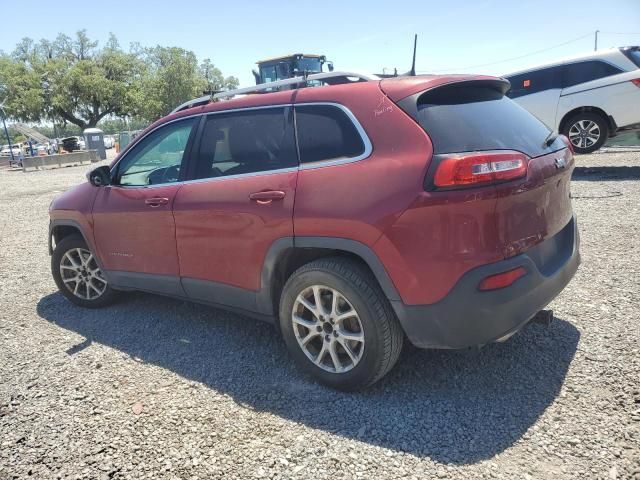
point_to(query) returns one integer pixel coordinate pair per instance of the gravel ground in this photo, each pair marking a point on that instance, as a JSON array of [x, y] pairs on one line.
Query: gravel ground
[[159, 388]]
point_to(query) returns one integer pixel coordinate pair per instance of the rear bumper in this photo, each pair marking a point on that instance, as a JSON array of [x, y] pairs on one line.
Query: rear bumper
[[467, 316]]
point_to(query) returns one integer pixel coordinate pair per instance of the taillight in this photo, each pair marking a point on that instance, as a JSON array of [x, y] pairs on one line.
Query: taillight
[[502, 280], [636, 82], [567, 142], [468, 169]]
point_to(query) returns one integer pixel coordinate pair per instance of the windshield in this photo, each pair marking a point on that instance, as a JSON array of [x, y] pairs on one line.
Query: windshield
[[310, 65]]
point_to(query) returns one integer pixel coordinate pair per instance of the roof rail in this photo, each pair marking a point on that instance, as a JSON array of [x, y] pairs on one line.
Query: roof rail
[[328, 77]]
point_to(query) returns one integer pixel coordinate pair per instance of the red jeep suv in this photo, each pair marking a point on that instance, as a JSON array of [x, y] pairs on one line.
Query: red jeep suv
[[350, 216]]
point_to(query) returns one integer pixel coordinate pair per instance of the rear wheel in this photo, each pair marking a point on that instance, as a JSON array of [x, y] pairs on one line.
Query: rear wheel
[[78, 275], [586, 131], [338, 325]]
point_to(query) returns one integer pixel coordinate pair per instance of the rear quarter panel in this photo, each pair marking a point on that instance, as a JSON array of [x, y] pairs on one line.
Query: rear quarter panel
[[359, 200]]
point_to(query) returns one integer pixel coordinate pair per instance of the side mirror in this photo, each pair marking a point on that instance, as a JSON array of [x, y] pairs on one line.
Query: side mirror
[[100, 176], [330, 66]]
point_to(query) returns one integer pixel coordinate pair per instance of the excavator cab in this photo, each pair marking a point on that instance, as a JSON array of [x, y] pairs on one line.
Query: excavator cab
[[289, 66]]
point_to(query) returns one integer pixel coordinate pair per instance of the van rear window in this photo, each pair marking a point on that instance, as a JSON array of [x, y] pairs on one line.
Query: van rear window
[[463, 118], [633, 54]]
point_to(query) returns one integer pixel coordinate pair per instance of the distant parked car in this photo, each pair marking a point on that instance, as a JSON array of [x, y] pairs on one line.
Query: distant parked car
[[6, 152], [587, 98], [71, 144], [109, 142]]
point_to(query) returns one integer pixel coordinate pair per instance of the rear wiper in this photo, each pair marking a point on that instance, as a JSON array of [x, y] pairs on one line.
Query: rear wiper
[[550, 139]]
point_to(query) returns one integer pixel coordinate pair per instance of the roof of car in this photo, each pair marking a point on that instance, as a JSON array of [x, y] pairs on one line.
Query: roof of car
[[285, 57], [600, 54], [395, 88]]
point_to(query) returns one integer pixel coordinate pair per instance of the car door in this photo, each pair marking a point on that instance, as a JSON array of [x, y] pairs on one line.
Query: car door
[[538, 92], [133, 223], [599, 84], [238, 203]]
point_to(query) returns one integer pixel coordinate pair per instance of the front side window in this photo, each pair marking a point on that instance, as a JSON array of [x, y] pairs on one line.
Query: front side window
[[157, 158], [581, 72], [325, 132], [244, 142]]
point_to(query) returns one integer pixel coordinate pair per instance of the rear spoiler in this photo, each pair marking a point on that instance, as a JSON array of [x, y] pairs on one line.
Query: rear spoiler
[[410, 103]]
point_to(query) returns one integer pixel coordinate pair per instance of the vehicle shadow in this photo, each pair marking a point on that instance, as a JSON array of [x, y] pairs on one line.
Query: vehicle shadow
[[599, 174], [454, 407]]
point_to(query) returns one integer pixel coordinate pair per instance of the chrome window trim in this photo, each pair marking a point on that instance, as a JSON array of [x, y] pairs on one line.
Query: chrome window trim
[[199, 114], [368, 146], [240, 175]]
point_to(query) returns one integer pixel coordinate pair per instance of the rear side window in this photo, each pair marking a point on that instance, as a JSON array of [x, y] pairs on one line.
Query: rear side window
[[581, 72], [534, 82], [246, 142], [325, 132], [461, 118]]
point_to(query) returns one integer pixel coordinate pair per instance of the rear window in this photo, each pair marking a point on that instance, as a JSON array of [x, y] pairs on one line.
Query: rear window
[[633, 54], [462, 118]]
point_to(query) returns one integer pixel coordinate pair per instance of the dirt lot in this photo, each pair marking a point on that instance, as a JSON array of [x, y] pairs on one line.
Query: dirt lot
[[158, 388]]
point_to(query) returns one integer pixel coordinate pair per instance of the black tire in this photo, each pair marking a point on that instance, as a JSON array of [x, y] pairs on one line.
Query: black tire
[[70, 244], [573, 127], [383, 336]]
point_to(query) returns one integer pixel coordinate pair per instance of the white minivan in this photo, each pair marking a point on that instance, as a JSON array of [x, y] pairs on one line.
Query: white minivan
[[588, 98]]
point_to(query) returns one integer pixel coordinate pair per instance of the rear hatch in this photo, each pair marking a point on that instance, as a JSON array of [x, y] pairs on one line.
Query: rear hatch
[[503, 146]]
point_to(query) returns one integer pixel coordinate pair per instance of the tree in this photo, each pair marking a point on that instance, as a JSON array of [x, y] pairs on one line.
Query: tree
[[75, 81], [214, 80], [70, 79], [173, 77]]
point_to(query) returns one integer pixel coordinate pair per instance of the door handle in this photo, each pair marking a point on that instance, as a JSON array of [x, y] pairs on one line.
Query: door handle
[[266, 197], [156, 201]]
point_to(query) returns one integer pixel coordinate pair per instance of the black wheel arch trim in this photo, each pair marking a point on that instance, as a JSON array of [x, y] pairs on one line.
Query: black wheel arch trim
[[278, 249], [73, 223], [70, 223]]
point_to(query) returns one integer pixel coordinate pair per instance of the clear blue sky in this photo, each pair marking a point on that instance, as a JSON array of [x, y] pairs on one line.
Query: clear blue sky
[[453, 36]]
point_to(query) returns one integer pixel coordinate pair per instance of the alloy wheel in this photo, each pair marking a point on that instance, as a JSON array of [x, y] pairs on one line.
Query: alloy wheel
[[81, 275], [584, 133], [328, 329]]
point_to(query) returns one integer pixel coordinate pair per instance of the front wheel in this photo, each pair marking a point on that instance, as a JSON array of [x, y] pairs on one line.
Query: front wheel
[[338, 325], [78, 275], [586, 131]]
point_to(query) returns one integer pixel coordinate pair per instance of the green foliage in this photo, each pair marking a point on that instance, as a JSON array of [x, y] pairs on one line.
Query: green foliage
[[173, 77], [74, 81]]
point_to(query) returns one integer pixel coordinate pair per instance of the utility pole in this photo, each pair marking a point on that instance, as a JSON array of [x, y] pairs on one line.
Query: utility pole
[[6, 132], [595, 48]]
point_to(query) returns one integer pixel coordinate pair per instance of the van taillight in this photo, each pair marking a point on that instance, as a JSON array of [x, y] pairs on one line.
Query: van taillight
[[636, 82], [469, 169]]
